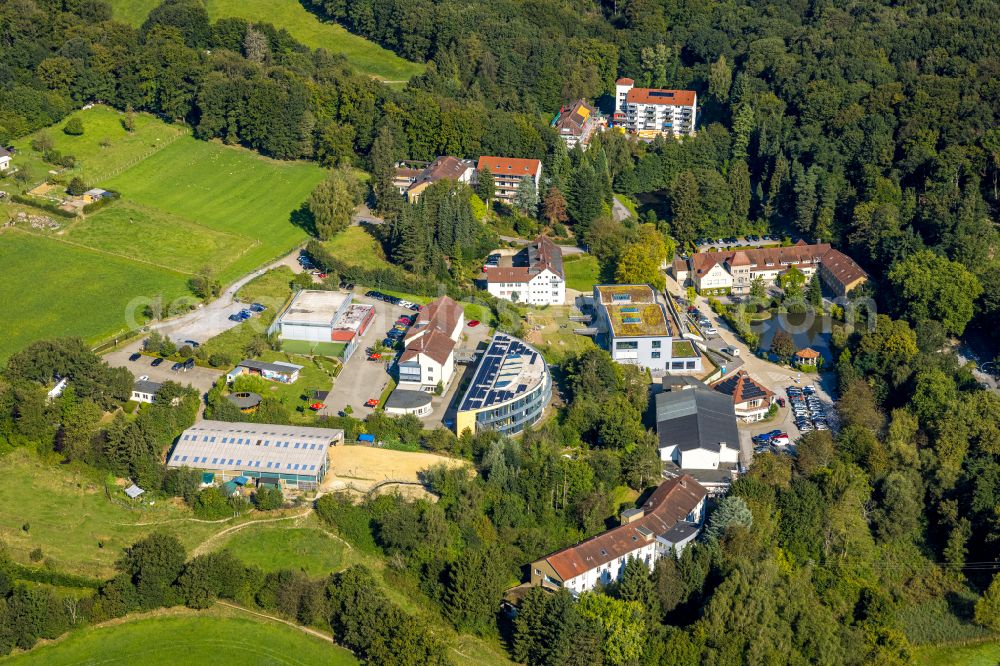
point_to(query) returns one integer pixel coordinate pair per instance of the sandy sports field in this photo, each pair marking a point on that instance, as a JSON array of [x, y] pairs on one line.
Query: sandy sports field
[[361, 467]]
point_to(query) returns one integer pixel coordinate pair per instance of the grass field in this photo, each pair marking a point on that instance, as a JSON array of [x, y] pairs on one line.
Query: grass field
[[226, 189], [94, 162], [185, 204], [357, 247], [68, 515], [156, 237], [52, 288], [582, 272], [180, 636], [365, 56], [981, 654], [272, 288], [307, 549], [331, 349], [552, 332]]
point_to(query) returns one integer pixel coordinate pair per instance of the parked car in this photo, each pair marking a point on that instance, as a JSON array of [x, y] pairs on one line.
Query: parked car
[[781, 441], [156, 362], [371, 402], [257, 307], [177, 366], [144, 378], [192, 343], [473, 323], [188, 364], [374, 356], [135, 357], [235, 317], [347, 286], [711, 330], [781, 402], [389, 342]]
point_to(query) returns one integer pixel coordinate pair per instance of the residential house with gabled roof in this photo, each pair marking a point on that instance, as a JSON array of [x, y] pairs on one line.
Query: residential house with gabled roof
[[412, 181], [429, 354], [508, 172], [534, 276], [666, 522], [576, 124], [750, 398], [5, 158]]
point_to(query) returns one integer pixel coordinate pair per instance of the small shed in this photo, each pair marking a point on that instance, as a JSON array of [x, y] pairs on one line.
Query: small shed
[[134, 491], [241, 480], [207, 479], [229, 489], [807, 356]]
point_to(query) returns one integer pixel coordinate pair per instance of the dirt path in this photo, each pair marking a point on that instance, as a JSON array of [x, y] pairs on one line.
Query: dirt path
[[307, 630]]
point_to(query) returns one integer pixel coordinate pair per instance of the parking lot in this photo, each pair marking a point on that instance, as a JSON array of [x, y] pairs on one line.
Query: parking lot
[[201, 378], [706, 244], [361, 379]]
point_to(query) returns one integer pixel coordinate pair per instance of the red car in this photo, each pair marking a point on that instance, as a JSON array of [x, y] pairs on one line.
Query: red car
[[374, 356], [371, 402], [321, 276], [474, 323]]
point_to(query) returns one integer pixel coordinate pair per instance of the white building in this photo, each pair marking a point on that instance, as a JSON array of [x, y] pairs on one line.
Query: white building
[[697, 433], [636, 329], [145, 391], [751, 399], [669, 520], [534, 276], [649, 112], [324, 316], [429, 355], [411, 181], [5, 158]]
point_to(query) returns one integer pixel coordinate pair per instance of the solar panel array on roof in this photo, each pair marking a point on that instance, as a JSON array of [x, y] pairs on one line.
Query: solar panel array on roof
[[499, 369], [621, 297], [629, 308], [632, 320], [661, 93]]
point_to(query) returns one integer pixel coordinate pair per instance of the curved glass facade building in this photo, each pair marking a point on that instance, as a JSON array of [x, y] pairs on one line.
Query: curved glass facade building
[[509, 391]]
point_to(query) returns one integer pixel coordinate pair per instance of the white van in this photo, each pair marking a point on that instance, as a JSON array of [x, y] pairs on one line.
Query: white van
[[732, 351]]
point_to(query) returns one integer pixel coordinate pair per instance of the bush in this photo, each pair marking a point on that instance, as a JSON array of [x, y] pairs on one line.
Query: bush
[[36, 555], [74, 127], [76, 187], [268, 498]]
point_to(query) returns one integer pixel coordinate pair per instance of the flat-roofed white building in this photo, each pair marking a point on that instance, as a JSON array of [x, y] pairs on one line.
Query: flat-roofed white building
[[324, 316], [293, 455]]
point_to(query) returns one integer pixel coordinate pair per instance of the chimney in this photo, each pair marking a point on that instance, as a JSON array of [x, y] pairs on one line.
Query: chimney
[[631, 515]]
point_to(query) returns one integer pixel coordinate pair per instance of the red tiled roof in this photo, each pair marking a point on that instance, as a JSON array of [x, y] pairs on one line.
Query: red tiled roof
[[808, 352], [768, 257], [542, 254], [842, 268], [509, 166], [740, 259], [441, 314], [435, 344], [669, 504], [520, 274], [742, 387], [574, 121], [658, 96], [625, 82]]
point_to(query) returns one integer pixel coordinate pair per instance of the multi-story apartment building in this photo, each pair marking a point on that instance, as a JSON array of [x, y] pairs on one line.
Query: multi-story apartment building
[[534, 275], [669, 520], [649, 112], [637, 329], [508, 172], [510, 390]]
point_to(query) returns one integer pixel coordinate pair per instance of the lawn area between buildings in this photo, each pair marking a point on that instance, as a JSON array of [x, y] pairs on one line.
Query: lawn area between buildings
[[365, 56], [62, 289], [182, 636], [330, 349], [551, 331], [582, 272]]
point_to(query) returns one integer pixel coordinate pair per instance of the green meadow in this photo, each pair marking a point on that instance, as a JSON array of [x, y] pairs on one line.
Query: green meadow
[[185, 205], [180, 636], [365, 56]]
